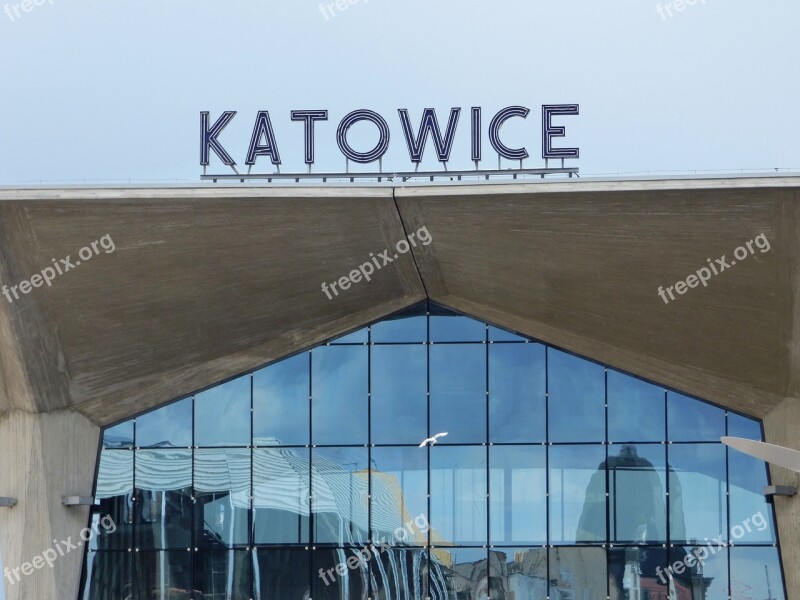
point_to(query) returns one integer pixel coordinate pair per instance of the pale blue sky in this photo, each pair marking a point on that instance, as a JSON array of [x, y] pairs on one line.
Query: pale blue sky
[[113, 90]]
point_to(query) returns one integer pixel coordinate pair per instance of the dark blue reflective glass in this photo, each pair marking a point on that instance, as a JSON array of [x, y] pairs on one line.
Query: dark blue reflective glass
[[637, 482], [698, 494], [281, 403], [360, 336], [699, 571], [333, 579], [458, 392], [691, 420], [339, 379], [399, 394], [399, 499], [340, 495], [281, 495], [120, 436], [501, 335], [518, 495], [282, 573], [458, 493], [751, 515], [170, 425], [228, 403], [577, 494], [636, 410], [114, 493], [407, 327], [222, 574], [756, 572], [446, 326], [221, 497], [400, 573], [163, 575], [517, 386], [739, 426], [459, 573], [576, 390]]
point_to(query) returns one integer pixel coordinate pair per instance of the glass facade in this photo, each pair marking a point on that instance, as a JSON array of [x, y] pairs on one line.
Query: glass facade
[[557, 477]]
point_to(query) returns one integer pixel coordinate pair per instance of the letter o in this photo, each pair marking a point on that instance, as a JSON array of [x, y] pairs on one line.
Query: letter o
[[401, 538], [733, 532], [736, 253], [408, 247], [383, 142], [80, 253], [87, 537]]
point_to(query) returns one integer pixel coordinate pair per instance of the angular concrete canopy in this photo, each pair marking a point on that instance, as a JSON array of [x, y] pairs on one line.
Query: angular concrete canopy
[[207, 282]]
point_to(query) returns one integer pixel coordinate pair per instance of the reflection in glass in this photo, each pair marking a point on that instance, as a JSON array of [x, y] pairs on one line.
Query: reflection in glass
[[496, 334], [638, 572], [756, 572], [458, 493], [458, 392], [578, 573], [108, 576], [697, 482], [281, 574], [163, 575], [459, 573], [576, 390], [447, 326], [751, 515], [635, 410], [517, 393], [120, 436], [518, 573], [228, 403], [401, 573], [690, 420], [637, 493], [222, 497], [360, 336], [704, 573], [114, 493], [739, 426], [170, 425], [222, 574], [280, 403], [281, 480], [399, 411], [407, 327], [518, 494], [163, 499], [399, 479], [577, 494], [340, 495], [339, 388], [339, 580]]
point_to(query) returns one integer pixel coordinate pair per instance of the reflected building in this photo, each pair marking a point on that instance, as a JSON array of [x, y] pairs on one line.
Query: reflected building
[[559, 477]]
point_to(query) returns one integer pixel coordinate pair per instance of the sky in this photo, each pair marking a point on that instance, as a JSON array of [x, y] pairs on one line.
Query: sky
[[112, 91]]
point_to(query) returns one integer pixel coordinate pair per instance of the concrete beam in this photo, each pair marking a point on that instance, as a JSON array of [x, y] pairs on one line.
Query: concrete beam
[[43, 457]]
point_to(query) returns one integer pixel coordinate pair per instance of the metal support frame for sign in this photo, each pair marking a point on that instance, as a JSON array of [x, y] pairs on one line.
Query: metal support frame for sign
[[77, 500], [6, 502]]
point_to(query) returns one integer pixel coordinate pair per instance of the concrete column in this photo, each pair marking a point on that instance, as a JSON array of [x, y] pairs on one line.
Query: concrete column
[[43, 457], [782, 427]]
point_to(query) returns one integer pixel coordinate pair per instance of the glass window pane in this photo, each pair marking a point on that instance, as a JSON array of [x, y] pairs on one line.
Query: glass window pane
[[518, 573], [638, 493], [756, 572], [638, 572], [163, 504], [340, 490], [169, 425], [518, 494], [577, 398], [496, 334], [458, 494], [108, 576], [578, 573], [517, 384], [400, 573], [447, 326], [119, 436], [399, 411], [114, 493], [577, 494], [228, 403], [751, 514], [696, 560], [400, 495], [282, 574], [281, 403], [739, 426], [339, 580], [636, 410], [691, 420], [460, 573], [339, 395], [222, 574], [697, 491], [360, 336], [222, 497], [163, 575], [458, 392], [281, 480], [408, 326]]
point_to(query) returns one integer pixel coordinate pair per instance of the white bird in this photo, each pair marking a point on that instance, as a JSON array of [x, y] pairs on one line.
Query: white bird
[[776, 455], [432, 440]]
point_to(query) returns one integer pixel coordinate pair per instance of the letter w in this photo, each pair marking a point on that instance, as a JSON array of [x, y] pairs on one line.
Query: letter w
[[430, 124]]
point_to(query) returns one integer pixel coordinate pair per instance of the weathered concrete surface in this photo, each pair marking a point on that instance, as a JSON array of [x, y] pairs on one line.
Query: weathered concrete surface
[[579, 266], [43, 457]]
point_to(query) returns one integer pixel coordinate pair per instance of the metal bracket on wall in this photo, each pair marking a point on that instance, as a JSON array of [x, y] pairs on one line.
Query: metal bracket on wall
[[77, 500], [7, 502], [779, 490]]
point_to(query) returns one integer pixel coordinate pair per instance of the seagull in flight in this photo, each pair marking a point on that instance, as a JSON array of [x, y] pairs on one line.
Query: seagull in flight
[[432, 440]]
